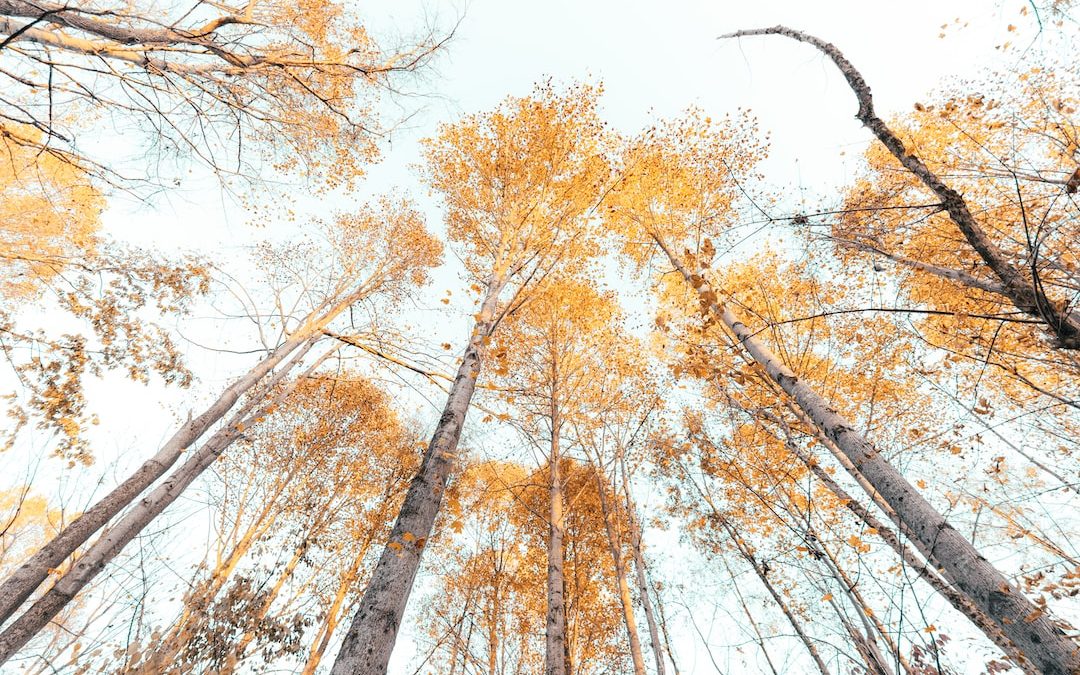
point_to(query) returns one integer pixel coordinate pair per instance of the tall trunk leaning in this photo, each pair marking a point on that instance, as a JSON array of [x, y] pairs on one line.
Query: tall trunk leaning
[[25, 580], [1033, 632], [28, 577], [98, 555], [640, 570], [371, 636], [959, 601]]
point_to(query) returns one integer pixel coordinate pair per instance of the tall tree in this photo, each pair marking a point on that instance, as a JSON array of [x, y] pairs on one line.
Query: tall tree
[[302, 498], [1012, 274], [520, 185], [377, 254], [676, 182], [552, 357]]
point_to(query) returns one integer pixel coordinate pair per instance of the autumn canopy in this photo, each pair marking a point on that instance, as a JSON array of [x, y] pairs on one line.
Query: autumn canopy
[[306, 372]]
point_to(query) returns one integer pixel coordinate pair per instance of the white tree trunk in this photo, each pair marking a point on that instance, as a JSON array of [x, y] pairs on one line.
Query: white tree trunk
[[1029, 628], [25, 580], [98, 555], [555, 636]]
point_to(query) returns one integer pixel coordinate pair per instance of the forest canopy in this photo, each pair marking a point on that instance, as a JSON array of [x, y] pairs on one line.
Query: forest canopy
[[336, 341]]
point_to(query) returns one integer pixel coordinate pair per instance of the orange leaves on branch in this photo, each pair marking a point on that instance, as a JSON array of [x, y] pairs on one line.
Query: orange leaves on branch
[[519, 182], [680, 179]]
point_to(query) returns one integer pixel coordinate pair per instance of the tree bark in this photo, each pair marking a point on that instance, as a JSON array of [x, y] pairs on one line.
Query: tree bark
[[25, 580], [1030, 629], [621, 585], [555, 644], [640, 568], [959, 601], [128, 527], [371, 636]]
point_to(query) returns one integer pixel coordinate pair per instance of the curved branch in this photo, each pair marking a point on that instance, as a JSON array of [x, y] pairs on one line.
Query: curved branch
[[1027, 298]]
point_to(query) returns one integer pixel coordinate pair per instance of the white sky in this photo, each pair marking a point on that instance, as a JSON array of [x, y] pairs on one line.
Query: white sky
[[651, 56]]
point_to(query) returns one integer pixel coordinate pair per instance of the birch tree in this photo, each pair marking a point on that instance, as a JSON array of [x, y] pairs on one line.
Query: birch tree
[[519, 186], [303, 496], [378, 253], [551, 358], [1016, 264], [670, 202]]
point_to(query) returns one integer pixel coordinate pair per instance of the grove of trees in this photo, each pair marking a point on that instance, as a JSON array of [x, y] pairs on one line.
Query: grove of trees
[[847, 426]]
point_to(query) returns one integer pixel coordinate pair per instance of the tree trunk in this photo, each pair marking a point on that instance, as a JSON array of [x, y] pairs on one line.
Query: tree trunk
[[640, 571], [1031, 630], [1025, 295], [555, 637], [370, 639], [127, 528], [619, 562], [958, 601], [25, 580], [667, 635]]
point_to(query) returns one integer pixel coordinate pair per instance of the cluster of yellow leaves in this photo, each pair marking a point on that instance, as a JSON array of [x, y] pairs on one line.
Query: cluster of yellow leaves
[[307, 495], [495, 571], [519, 182], [28, 522], [1012, 152], [49, 217], [679, 178]]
